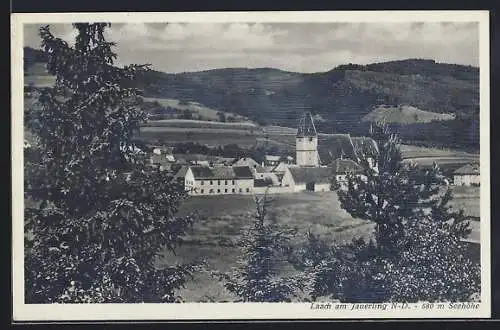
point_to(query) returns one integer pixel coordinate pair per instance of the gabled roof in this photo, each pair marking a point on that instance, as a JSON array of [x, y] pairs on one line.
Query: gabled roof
[[221, 172], [181, 173], [306, 126], [311, 174], [471, 169], [246, 161], [335, 146], [242, 172], [202, 172], [281, 167], [342, 166]]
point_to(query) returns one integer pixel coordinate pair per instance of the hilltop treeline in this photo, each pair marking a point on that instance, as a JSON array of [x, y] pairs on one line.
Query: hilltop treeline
[[341, 96]]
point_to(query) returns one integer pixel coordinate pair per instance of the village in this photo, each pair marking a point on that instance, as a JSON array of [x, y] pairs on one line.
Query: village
[[275, 175]]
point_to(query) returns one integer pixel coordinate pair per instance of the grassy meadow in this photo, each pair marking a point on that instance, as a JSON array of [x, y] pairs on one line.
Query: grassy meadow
[[197, 109], [221, 219]]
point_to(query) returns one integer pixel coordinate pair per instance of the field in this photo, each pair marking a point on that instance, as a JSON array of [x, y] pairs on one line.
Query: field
[[404, 115], [198, 109], [221, 218]]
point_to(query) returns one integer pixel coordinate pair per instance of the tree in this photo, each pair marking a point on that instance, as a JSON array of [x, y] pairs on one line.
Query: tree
[[419, 254], [389, 191], [346, 273], [101, 214], [434, 266], [256, 278]]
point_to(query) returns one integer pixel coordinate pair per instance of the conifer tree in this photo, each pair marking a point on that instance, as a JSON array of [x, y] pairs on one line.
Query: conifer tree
[[389, 192], [264, 245], [100, 213]]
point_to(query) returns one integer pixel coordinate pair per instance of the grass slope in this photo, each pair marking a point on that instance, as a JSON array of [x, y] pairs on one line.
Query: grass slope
[[205, 113], [404, 114]]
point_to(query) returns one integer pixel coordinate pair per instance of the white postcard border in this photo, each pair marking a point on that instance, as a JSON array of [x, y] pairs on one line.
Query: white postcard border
[[217, 311]]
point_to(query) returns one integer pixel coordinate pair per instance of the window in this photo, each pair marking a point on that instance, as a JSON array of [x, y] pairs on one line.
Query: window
[[233, 190], [248, 189], [202, 182], [241, 190], [218, 182], [225, 182], [225, 190], [218, 191], [211, 182], [310, 138], [234, 183], [202, 191], [211, 191]]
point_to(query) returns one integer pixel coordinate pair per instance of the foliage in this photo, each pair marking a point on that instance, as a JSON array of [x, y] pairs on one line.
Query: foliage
[[418, 253], [102, 214], [264, 245], [389, 192], [347, 273], [433, 266]]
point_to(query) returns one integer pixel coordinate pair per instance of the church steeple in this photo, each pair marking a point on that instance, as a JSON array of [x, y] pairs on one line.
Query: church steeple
[[306, 125], [306, 142]]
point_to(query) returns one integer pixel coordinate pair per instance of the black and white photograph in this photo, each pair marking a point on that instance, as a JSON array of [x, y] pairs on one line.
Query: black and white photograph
[[250, 165]]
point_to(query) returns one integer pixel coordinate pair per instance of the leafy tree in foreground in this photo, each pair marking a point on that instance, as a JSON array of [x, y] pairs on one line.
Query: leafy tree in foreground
[[256, 278], [434, 266], [102, 215]]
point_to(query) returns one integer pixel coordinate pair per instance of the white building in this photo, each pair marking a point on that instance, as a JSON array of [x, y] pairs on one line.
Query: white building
[[467, 175], [316, 179], [223, 180]]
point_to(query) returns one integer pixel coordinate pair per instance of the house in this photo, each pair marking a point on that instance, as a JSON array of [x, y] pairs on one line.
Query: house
[[342, 167], [311, 178], [204, 180], [163, 162], [467, 175], [271, 160], [247, 161]]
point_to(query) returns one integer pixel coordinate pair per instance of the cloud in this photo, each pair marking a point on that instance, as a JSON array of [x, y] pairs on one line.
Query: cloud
[[305, 47]]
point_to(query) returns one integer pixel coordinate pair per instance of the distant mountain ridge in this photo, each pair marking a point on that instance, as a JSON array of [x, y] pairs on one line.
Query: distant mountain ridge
[[341, 96]]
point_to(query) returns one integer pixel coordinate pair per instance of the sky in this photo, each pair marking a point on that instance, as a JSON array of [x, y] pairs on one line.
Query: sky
[[297, 47]]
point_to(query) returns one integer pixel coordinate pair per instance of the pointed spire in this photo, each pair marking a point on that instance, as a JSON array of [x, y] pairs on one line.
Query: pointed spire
[[306, 125]]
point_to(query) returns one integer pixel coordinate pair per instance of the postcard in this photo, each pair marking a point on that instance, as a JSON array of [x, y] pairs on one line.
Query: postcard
[[250, 165]]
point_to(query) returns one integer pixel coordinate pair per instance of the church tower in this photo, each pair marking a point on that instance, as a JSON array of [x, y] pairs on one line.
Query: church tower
[[306, 142]]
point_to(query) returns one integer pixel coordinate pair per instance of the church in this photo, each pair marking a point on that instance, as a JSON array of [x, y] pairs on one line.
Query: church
[[306, 143], [309, 174]]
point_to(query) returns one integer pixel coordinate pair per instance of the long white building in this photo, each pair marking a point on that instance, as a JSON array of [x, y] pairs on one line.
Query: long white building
[[204, 180]]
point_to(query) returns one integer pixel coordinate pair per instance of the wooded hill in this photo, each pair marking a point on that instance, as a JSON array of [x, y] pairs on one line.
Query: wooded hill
[[339, 98]]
